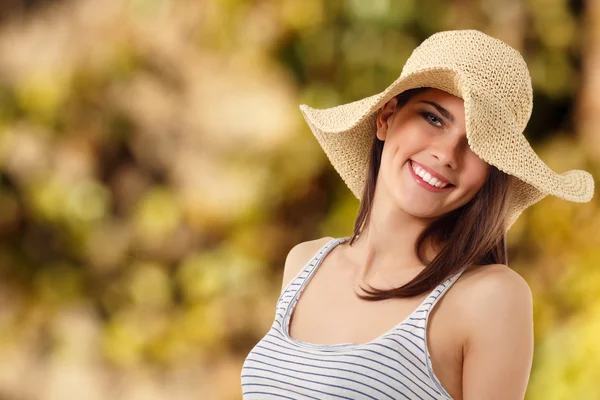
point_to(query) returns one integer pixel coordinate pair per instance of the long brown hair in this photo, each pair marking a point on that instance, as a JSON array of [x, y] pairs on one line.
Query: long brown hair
[[473, 234]]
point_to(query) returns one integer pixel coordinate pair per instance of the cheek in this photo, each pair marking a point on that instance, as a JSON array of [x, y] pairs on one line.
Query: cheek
[[390, 157], [477, 173], [404, 143]]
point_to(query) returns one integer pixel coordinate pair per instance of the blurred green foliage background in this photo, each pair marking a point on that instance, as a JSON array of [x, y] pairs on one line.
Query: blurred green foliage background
[[155, 171]]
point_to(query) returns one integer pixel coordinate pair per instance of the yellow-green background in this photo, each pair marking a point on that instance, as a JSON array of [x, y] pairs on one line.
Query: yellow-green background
[[155, 171]]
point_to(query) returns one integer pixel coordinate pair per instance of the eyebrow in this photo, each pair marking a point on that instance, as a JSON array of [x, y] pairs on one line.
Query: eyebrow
[[447, 114]]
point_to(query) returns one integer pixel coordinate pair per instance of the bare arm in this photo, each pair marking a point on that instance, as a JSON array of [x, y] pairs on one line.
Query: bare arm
[[499, 346]]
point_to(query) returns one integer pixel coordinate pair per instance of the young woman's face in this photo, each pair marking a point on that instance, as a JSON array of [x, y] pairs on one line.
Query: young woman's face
[[429, 131]]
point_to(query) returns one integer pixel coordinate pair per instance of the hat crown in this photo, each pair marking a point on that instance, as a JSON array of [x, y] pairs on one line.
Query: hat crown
[[490, 68]]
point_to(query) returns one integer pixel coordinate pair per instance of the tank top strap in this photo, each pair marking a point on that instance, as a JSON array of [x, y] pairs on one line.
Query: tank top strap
[[297, 283], [440, 290]]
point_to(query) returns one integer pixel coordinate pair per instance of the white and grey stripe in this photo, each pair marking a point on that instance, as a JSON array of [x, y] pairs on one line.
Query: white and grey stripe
[[395, 365]]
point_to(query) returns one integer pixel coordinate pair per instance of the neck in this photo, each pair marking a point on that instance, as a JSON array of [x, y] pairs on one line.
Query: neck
[[386, 246]]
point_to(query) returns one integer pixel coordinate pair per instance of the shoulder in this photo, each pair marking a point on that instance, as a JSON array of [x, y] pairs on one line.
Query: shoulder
[[298, 256], [496, 286], [494, 276], [497, 318], [494, 291]]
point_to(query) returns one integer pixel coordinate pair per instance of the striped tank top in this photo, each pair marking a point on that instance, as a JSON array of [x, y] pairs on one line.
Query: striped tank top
[[395, 365]]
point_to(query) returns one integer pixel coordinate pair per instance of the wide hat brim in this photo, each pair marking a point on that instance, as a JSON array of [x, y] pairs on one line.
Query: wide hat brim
[[346, 132]]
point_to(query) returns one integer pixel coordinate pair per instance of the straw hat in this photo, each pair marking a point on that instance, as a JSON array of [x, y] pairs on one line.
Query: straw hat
[[493, 80]]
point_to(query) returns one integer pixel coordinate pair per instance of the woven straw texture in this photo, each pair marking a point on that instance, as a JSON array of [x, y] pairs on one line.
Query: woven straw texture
[[493, 80]]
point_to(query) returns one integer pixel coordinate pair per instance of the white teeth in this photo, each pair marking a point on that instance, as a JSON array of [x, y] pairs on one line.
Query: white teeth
[[426, 176]]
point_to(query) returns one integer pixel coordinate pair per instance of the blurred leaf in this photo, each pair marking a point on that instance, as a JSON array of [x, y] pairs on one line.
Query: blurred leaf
[[157, 214], [149, 285], [59, 283]]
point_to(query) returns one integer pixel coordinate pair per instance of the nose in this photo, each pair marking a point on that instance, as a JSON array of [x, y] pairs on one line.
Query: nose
[[447, 149]]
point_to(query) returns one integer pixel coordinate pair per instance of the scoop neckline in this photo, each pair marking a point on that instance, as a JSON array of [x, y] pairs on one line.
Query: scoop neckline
[[340, 346]]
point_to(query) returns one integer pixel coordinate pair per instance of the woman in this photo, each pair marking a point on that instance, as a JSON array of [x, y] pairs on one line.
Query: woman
[[442, 169]]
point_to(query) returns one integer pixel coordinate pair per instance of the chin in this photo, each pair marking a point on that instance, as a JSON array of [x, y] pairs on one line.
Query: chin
[[424, 214], [417, 209]]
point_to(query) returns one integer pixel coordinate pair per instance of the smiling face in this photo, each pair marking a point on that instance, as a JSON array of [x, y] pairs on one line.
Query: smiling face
[[428, 131]]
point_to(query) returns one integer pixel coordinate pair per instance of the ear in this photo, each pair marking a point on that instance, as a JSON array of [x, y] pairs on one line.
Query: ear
[[384, 118]]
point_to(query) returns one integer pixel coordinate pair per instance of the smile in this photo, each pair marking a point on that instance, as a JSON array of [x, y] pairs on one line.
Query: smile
[[420, 181]]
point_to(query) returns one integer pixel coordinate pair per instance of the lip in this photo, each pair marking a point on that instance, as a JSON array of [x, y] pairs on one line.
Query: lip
[[424, 184], [439, 177]]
